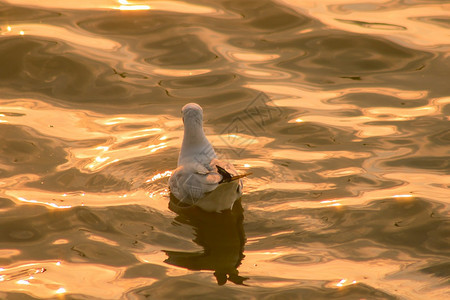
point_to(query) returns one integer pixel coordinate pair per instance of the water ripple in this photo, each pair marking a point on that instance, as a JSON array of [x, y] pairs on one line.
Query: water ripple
[[339, 111]]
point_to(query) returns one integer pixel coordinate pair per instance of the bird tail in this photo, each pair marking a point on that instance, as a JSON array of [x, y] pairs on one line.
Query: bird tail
[[226, 176], [239, 176]]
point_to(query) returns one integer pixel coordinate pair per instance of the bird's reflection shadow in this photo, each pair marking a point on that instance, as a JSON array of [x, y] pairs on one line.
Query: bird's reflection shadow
[[222, 237]]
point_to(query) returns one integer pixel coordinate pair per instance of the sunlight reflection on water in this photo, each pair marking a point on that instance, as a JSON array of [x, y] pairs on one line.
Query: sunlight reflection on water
[[340, 111]]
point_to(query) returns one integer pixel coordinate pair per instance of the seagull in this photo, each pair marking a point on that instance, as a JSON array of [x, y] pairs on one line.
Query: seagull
[[201, 179]]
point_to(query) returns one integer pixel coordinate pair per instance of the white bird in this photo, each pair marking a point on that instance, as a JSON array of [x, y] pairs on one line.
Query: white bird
[[201, 179]]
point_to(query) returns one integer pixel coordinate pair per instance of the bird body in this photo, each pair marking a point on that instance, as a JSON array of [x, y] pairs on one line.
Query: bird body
[[200, 178]]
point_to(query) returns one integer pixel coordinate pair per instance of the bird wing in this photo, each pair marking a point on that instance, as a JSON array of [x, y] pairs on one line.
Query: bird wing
[[191, 182], [195, 180]]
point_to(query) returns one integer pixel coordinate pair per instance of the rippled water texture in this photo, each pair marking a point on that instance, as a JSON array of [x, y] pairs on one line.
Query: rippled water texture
[[340, 111]]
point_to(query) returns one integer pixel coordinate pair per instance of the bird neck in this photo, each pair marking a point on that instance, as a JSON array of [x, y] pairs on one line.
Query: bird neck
[[193, 132], [195, 142]]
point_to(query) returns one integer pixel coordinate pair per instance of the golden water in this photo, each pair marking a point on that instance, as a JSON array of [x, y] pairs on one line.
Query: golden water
[[340, 111]]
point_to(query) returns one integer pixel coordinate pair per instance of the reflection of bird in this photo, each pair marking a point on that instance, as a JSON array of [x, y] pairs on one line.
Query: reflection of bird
[[222, 237], [200, 178]]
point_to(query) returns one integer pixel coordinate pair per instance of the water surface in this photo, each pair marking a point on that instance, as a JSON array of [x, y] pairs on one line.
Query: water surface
[[340, 111]]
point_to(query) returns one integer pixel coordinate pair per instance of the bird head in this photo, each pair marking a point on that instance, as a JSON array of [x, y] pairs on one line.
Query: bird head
[[192, 111]]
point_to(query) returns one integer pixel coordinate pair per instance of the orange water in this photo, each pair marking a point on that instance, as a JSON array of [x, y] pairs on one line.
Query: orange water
[[340, 111]]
